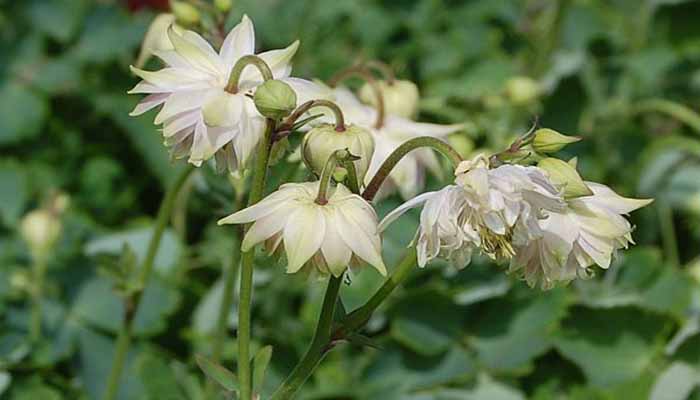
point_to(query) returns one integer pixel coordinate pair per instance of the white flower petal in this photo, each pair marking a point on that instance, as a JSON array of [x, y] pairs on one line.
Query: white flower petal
[[148, 103], [360, 241], [265, 227], [303, 236], [336, 253], [239, 42]]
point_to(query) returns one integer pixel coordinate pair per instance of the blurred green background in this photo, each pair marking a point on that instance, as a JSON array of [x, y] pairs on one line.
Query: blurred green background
[[624, 74]]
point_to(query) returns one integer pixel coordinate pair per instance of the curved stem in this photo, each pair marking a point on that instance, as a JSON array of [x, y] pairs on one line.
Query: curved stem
[[358, 318], [319, 345], [240, 65], [384, 68], [400, 152], [366, 75], [327, 175], [131, 303], [296, 114], [246, 278], [675, 110]]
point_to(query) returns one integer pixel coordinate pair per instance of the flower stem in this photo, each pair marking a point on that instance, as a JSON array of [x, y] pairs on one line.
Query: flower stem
[[131, 303], [240, 65], [673, 109], [384, 68], [247, 258], [296, 114], [358, 318], [400, 152], [319, 345], [39, 272], [327, 174], [670, 241], [364, 73]]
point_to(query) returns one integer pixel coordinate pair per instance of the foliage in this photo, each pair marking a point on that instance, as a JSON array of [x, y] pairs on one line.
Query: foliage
[[615, 72]]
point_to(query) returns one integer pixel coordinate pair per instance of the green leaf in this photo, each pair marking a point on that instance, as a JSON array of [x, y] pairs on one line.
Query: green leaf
[[514, 331], [58, 18], [13, 195], [5, 380], [225, 378], [158, 378], [676, 382], [22, 113], [614, 355], [259, 367]]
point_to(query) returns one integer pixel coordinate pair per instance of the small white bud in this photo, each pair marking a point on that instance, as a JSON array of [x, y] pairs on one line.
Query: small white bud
[[322, 141], [223, 5], [185, 12], [400, 98], [40, 229], [522, 90]]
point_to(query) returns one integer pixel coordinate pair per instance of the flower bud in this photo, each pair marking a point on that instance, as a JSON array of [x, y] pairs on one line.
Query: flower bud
[[275, 99], [522, 90], [40, 229], [222, 109], [185, 12], [563, 175], [400, 98], [223, 5], [322, 141], [551, 141]]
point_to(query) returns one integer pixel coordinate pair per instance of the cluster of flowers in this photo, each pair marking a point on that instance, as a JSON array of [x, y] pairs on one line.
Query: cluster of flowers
[[545, 220]]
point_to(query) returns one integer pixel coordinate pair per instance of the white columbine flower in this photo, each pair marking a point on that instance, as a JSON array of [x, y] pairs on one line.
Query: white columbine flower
[[329, 236], [588, 232], [489, 209], [201, 119], [409, 174]]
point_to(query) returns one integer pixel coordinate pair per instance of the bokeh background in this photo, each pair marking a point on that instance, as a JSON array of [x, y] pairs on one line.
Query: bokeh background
[[624, 74]]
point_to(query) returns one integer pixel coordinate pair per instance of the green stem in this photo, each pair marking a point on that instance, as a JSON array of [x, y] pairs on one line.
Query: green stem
[[237, 70], [133, 301], [39, 270], [296, 114], [352, 180], [668, 230], [327, 175], [675, 110], [246, 279], [319, 345], [400, 152], [358, 318], [364, 73]]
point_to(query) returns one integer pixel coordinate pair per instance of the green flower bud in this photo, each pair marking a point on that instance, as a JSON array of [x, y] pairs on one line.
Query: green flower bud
[[275, 99], [185, 12], [565, 176], [522, 90], [322, 141], [40, 229], [223, 5], [551, 141], [400, 98]]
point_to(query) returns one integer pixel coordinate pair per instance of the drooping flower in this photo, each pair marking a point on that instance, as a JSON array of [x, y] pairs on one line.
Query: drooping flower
[[401, 97], [200, 118], [329, 237], [586, 233], [492, 210], [409, 174]]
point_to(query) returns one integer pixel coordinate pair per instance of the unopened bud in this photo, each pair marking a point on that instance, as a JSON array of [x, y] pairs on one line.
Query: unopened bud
[[322, 141], [551, 141], [522, 90], [563, 175], [275, 99], [400, 97], [223, 5], [40, 229], [186, 13]]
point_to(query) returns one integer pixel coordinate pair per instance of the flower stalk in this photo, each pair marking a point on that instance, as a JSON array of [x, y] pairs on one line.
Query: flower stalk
[[288, 123], [327, 175], [393, 159], [132, 302], [364, 73], [241, 64], [319, 345], [246, 277]]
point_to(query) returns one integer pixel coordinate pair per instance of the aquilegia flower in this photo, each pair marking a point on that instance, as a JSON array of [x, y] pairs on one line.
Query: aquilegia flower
[[491, 210], [587, 232], [409, 174], [329, 237], [199, 117]]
